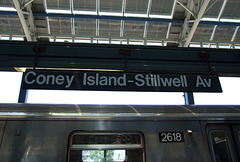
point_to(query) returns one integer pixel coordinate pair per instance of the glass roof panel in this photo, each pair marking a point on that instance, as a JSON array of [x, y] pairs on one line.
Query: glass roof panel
[[10, 25], [58, 4], [6, 3], [213, 12], [85, 27], [111, 6], [110, 28], [232, 10], [60, 26], [136, 6], [203, 33], [134, 29], [84, 5], [224, 33], [174, 31], [157, 30], [161, 7]]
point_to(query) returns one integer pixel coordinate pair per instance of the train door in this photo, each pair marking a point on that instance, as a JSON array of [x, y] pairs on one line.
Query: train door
[[106, 147], [224, 142]]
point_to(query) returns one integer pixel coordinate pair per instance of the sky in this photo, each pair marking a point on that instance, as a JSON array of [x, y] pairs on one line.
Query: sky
[[10, 85]]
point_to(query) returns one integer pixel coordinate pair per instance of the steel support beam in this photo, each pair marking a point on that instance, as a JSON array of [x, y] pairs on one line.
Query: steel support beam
[[185, 38], [32, 26], [186, 23], [22, 98], [22, 20], [186, 7], [140, 58], [188, 97], [196, 22]]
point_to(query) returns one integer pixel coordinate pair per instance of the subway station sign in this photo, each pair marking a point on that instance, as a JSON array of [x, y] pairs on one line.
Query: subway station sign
[[119, 81]]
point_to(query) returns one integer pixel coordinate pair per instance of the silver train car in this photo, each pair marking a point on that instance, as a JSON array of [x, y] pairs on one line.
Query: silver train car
[[119, 133]]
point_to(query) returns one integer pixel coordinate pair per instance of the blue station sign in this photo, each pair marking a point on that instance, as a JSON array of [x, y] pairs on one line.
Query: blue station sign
[[119, 81]]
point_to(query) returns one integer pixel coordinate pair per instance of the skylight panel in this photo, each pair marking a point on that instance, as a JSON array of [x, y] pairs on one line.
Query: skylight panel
[[224, 33], [163, 7], [203, 33], [231, 10], [60, 26], [88, 6], [110, 6], [215, 9], [136, 7], [157, 30], [6, 4], [53, 6], [134, 29], [85, 27], [110, 28], [10, 24]]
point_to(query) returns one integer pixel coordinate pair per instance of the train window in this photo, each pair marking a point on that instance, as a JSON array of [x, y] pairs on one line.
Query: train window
[[106, 147], [220, 145]]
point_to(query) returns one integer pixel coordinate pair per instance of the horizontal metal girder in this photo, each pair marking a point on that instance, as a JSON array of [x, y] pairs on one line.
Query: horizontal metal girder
[[119, 57], [103, 17]]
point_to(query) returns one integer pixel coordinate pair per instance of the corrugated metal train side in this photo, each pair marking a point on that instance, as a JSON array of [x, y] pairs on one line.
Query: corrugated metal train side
[[31, 132]]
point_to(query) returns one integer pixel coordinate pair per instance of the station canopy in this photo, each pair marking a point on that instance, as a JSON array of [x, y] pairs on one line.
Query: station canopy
[[179, 23]]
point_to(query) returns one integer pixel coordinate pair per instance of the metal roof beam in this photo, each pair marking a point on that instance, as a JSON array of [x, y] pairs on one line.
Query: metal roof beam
[[124, 3], [31, 21], [196, 22], [22, 20], [185, 29], [109, 17], [186, 7], [149, 7], [235, 34], [141, 58]]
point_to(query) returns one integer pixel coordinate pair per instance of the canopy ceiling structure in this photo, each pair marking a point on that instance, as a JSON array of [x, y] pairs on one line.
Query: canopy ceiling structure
[[182, 23]]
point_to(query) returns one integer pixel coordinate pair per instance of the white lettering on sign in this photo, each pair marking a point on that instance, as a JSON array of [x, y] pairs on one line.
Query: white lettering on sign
[[31, 78], [158, 81], [96, 79], [120, 81], [203, 82], [140, 80]]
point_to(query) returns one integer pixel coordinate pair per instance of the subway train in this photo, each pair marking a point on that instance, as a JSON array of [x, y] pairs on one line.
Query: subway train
[[119, 133]]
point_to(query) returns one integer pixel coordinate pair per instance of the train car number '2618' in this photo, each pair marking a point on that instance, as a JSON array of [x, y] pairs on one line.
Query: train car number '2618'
[[171, 137]]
